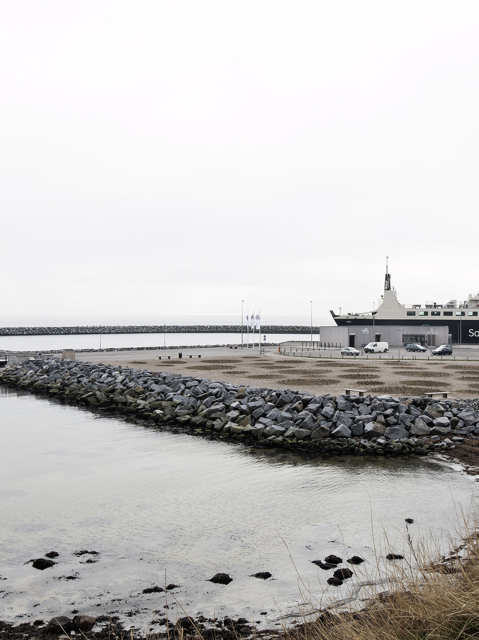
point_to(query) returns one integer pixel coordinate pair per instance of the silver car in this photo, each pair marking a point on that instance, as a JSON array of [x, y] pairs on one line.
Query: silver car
[[349, 351]]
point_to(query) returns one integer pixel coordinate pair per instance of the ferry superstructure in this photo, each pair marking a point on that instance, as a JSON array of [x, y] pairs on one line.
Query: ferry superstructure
[[461, 318]]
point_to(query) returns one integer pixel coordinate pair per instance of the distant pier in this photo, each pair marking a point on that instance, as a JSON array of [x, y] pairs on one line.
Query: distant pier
[[197, 328]]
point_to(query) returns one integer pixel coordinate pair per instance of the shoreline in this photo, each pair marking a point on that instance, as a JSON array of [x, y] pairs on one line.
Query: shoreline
[[52, 373], [254, 416]]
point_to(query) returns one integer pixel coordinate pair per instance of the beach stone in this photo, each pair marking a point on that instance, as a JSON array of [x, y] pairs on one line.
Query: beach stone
[[262, 575], [59, 625], [355, 560], [332, 559], [84, 623], [153, 590], [221, 578], [394, 556], [343, 574], [324, 565], [335, 582], [42, 564]]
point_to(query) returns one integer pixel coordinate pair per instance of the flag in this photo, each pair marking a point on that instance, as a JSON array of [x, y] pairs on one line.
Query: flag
[[258, 322], [252, 321]]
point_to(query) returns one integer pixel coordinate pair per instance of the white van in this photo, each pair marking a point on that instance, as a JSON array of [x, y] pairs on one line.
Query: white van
[[376, 347]]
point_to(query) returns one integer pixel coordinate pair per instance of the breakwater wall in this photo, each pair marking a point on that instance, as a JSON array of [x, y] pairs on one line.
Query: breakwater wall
[[254, 416], [197, 328]]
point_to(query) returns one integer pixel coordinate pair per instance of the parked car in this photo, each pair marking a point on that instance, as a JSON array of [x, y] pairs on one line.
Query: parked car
[[376, 347], [443, 350], [349, 351], [416, 347]]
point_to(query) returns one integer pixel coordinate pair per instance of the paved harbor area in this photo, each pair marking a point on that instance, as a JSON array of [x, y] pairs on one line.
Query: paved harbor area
[[397, 372]]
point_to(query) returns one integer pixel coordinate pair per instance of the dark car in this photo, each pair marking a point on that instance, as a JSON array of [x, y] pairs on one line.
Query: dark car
[[415, 347], [443, 350]]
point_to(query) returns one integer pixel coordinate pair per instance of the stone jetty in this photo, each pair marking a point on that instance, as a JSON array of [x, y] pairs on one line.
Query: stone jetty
[[254, 416], [163, 328]]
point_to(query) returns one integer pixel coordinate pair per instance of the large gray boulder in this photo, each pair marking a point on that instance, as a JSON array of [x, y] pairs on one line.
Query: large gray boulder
[[301, 434], [321, 431], [341, 431], [395, 433], [373, 430], [419, 428], [328, 411], [434, 410], [357, 429]]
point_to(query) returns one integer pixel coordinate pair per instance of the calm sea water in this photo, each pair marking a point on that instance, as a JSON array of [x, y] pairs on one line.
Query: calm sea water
[[165, 508], [105, 341]]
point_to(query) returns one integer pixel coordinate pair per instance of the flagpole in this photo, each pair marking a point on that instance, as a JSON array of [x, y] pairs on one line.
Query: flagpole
[[253, 328], [259, 330], [242, 304], [247, 330]]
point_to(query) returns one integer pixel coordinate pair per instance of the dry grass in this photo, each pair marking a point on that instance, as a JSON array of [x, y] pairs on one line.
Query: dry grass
[[212, 367], [264, 376], [331, 363], [424, 374], [426, 599], [422, 383], [400, 390], [361, 368], [222, 361], [294, 382], [358, 376]]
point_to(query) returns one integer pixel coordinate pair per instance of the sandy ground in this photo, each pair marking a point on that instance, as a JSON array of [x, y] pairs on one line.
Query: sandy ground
[[315, 375]]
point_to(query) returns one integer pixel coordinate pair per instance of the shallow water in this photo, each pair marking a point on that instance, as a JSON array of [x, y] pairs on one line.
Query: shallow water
[[165, 508], [127, 340]]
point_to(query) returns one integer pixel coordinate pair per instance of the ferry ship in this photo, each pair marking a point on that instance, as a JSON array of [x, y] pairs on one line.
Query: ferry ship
[[462, 319]]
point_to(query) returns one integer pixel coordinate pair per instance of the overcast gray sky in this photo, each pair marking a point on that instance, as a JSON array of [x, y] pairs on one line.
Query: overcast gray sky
[[178, 157]]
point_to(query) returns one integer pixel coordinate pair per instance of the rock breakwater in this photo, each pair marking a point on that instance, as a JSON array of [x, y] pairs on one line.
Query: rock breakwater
[[255, 416], [105, 329]]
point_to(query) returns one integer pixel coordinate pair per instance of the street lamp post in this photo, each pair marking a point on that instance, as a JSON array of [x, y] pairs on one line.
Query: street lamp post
[[399, 343], [311, 303], [242, 303]]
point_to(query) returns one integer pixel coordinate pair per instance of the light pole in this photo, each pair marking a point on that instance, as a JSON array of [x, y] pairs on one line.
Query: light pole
[[311, 303], [242, 303], [399, 343], [365, 332]]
